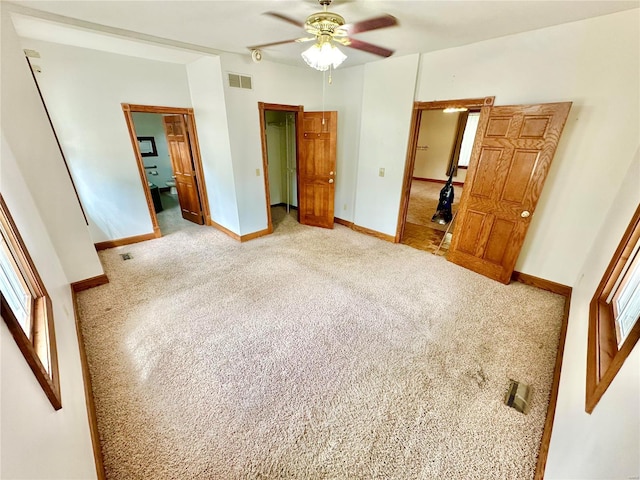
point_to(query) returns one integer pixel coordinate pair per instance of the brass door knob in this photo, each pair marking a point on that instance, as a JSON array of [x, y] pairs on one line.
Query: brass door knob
[[525, 214]]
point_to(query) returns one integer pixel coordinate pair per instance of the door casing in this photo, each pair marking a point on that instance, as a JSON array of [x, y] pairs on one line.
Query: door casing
[[298, 110], [128, 109], [484, 104]]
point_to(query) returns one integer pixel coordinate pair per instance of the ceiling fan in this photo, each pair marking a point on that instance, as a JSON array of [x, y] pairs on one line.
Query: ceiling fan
[[325, 28]]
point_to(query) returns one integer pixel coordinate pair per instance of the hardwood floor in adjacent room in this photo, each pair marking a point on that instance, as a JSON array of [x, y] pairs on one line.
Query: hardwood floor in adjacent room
[[420, 232], [426, 238]]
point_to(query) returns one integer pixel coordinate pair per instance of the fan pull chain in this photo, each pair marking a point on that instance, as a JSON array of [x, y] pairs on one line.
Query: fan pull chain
[[324, 74]]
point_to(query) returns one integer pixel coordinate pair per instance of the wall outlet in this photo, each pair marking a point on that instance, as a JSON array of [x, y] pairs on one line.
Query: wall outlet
[[381, 172], [257, 172], [344, 207]]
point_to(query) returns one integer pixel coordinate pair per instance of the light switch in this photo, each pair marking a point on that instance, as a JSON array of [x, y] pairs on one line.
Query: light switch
[[257, 172], [381, 172]]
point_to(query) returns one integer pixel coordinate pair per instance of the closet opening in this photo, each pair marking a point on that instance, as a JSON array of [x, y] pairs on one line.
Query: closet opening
[[280, 127]]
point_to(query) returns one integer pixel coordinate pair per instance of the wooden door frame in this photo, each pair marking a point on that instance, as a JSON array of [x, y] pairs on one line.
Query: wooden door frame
[[299, 111], [194, 145], [484, 104]]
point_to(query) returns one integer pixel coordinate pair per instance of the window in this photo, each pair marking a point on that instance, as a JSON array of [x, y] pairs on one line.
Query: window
[[464, 139], [468, 138], [625, 297], [614, 312], [26, 308]]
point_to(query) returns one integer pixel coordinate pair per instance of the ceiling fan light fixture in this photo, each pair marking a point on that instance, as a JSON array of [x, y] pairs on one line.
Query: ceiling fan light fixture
[[323, 55]]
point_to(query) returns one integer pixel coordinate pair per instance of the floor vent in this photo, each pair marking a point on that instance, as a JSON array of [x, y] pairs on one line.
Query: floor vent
[[126, 256], [518, 396], [240, 81]]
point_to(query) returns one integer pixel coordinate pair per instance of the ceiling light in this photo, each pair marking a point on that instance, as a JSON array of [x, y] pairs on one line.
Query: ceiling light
[[455, 109], [323, 55]]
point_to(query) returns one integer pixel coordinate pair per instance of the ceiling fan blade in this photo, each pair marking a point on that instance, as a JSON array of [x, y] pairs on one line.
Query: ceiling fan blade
[[369, 47], [272, 44], [290, 20], [383, 21]]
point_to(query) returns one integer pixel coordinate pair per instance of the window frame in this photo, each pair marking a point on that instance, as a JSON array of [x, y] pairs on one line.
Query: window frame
[[604, 357], [474, 112], [39, 347], [5, 249]]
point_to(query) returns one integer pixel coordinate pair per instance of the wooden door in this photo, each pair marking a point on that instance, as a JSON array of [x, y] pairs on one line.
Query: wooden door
[[183, 168], [511, 157], [317, 168]]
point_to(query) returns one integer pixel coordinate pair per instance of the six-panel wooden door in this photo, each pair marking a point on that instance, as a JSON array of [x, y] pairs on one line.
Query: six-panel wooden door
[[512, 154], [183, 168], [317, 169]]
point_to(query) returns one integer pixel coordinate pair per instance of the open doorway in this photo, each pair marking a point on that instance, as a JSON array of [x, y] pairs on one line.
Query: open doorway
[[441, 143], [280, 126], [166, 146]]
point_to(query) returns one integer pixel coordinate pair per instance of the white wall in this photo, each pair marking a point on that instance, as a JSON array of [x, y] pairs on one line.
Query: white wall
[[84, 89], [275, 161], [29, 134], [593, 63], [345, 96], [388, 93], [37, 441], [209, 106], [272, 83], [605, 444], [438, 133], [150, 125], [290, 172]]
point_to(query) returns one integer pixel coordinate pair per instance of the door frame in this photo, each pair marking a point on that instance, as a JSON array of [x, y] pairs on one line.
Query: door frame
[[484, 104], [190, 121], [298, 110]]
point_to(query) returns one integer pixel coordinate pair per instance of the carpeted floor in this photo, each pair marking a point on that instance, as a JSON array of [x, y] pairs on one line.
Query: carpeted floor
[[311, 354]]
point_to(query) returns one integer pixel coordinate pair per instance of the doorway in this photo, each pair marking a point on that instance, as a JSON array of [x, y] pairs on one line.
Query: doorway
[[280, 125], [282, 168], [442, 137], [166, 146]]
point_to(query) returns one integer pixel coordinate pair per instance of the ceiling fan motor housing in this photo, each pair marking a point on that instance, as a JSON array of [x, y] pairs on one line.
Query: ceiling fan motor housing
[[325, 23]]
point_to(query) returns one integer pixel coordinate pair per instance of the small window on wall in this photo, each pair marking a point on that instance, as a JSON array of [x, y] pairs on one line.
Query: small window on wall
[[468, 137], [26, 308], [614, 326]]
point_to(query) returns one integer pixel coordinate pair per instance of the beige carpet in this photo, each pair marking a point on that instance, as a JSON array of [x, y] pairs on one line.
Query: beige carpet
[[423, 203], [312, 354]]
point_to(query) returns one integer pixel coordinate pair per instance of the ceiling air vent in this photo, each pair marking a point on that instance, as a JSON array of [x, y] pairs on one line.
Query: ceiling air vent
[[31, 53], [239, 81]]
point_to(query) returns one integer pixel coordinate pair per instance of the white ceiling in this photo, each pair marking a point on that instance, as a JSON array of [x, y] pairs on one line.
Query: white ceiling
[[232, 26]]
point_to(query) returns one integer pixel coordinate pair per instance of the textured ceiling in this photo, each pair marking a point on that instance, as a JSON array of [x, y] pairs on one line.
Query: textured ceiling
[[232, 26]]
